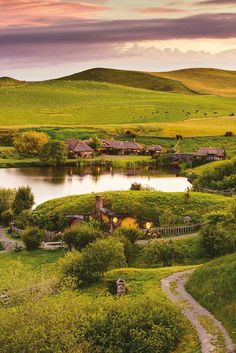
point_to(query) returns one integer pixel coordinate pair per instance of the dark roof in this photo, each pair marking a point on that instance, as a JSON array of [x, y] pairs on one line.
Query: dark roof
[[106, 211], [78, 146], [206, 151], [122, 145], [155, 148]]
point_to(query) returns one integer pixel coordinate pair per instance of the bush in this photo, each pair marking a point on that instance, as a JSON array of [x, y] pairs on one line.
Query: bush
[[167, 218], [131, 233], [79, 236], [216, 241], [93, 261], [166, 253], [7, 217], [76, 324], [30, 142], [32, 238]]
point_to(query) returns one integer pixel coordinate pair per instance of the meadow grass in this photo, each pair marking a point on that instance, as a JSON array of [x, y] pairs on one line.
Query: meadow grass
[[55, 103], [217, 291]]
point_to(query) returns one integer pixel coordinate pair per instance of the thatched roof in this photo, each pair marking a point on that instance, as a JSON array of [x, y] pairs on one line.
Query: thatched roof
[[78, 146], [206, 151], [122, 145]]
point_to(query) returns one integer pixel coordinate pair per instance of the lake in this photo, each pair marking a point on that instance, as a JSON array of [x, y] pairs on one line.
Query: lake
[[50, 183]]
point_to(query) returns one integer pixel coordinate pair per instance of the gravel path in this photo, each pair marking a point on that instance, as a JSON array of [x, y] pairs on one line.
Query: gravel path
[[212, 334]]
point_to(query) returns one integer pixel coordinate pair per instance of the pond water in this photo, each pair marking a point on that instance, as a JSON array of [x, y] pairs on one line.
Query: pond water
[[50, 183]]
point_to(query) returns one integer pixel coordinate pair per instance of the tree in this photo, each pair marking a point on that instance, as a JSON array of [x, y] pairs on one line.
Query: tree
[[32, 238], [30, 142], [54, 153], [6, 199], [95, 143], [24, 200]]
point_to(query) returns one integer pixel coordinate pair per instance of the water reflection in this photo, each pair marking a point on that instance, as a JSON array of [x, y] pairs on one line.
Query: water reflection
[[49, 183]]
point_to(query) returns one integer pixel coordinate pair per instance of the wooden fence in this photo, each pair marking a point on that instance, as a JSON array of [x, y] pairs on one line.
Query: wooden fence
[[229, 193], [188, 229], [49, 236]]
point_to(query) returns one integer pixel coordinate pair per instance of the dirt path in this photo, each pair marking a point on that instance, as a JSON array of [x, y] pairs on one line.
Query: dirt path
[[212, 334]]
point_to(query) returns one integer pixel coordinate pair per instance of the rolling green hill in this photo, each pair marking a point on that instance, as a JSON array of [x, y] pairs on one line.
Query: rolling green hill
[[204, 81], [133, 79], [217, 289], [57, 103]]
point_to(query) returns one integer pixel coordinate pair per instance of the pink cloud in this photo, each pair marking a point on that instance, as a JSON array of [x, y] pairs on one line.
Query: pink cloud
[[160, 10], [43, 12]]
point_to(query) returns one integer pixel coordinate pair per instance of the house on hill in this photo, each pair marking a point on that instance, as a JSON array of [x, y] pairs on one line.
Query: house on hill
[[78, 148], [121, 147], [211, 153], [155, 149]]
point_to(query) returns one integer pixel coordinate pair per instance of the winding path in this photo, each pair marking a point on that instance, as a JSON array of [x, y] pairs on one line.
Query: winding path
[[212, 334]]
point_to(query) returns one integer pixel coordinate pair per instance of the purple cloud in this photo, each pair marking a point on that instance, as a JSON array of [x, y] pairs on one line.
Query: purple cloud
[[219, 26]]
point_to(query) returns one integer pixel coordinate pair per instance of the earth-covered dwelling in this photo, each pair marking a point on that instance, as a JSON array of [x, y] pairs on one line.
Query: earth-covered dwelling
[[78, 148], [110, 219]]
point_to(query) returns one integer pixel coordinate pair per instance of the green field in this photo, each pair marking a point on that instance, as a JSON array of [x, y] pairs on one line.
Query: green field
[[89, 103], [217, 290]]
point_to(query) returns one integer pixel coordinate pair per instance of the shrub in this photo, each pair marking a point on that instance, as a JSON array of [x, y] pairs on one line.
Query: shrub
[[131, 233], [180, 251], [216, 241], [30, 142], [7, 217], [75, 324], [24, 200], [93, 261], [54, 153], [167, 218], [79, 236], [32, 238]]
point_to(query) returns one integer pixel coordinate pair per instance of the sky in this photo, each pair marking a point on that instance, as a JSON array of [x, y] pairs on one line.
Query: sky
[[44, 39]]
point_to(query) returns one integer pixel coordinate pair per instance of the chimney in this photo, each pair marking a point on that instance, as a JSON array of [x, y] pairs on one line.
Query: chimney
[[99, 202]]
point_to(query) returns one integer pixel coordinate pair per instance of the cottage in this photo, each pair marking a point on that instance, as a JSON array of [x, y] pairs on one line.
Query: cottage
[[121, 147], [211, 153], [155, 149], [77, 148]]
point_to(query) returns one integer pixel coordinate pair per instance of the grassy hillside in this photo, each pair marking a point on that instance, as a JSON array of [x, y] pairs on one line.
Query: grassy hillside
[[133, 79], [57, 103], [217, 291], [204, 81], [144, 204]]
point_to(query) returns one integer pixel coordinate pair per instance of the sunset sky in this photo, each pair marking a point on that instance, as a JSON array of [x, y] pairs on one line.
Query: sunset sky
[[48, 38]]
